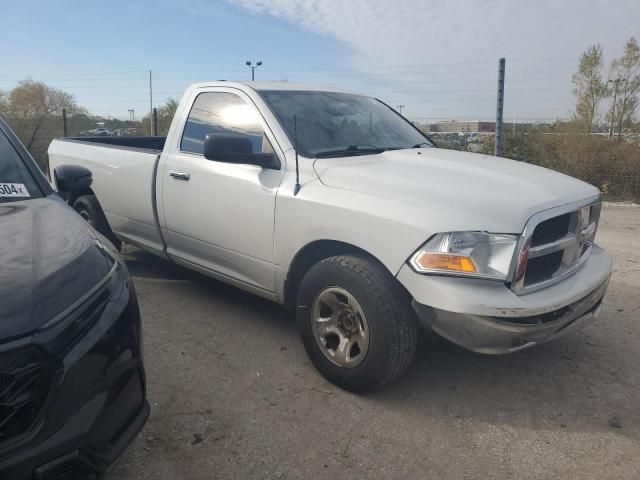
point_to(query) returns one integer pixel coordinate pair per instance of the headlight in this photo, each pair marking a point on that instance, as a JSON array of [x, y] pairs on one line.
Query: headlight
[[475, 254]]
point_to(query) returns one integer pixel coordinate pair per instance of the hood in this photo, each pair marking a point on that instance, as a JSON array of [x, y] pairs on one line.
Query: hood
[[48, 259], [500, 194]]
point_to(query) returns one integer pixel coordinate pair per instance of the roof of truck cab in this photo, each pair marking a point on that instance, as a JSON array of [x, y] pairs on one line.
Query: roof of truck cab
[[263, 86]]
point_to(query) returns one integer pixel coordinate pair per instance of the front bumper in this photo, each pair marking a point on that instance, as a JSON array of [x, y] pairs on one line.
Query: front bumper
[[94, 403], [487, 317]]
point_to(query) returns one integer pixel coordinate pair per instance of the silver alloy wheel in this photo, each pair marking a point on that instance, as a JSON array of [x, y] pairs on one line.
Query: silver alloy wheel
[[340, 327]]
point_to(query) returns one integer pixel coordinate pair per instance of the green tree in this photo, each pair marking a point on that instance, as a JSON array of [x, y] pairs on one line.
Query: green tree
[[626, 70], [166, 114], [589, 88], [169, 108]]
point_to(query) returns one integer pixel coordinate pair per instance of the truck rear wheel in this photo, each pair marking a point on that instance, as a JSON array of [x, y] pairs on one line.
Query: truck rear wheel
[[356, 322], [89, 208]]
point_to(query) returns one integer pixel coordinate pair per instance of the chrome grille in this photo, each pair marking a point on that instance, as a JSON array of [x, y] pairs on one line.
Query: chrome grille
[[543, 267], [551, 230], [554, 244]]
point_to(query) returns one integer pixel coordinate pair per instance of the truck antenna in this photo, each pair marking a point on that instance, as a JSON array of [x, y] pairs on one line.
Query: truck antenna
[[295, 147]]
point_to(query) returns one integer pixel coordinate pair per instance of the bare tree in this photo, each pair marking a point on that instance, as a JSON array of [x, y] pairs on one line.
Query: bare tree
[[4, 102], [32, 102], [589, 88], [625, 71]]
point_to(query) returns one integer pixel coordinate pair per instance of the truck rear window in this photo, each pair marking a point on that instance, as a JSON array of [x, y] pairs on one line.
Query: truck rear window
[[16, 182]]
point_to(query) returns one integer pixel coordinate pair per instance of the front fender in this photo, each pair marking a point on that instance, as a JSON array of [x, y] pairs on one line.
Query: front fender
[[375, 225]]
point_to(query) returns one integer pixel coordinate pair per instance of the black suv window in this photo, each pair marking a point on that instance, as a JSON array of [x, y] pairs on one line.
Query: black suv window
[[16, 182], [222, 112]]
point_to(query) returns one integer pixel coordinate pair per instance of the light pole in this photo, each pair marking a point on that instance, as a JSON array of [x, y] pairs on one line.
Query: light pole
[[253, 68], [615, 97], [400, 107]]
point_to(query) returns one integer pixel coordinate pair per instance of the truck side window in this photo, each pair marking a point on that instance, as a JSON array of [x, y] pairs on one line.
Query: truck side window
[[222, 112]]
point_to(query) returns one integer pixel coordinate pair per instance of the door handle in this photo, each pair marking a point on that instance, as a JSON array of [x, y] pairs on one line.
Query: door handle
[[180, 175]]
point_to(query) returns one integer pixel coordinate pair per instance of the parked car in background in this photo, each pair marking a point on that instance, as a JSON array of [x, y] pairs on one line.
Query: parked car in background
[[334, 205], [96, 132], [72, 381]]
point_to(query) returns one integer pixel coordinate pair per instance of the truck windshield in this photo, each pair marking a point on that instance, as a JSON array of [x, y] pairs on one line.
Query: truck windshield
[[333, 124], [16, 182]]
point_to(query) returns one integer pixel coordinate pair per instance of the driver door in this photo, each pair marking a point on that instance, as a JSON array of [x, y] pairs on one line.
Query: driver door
[[219, 216]]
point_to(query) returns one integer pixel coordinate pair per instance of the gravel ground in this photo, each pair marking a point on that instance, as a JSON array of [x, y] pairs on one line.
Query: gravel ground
[[234, 396]]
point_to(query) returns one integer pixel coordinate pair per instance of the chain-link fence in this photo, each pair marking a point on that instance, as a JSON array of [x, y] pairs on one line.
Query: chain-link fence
[[37, 132], [611, 164]]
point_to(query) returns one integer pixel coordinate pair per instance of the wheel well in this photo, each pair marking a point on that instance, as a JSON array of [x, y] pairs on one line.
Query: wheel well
[[75, 196], [103, 224], [308, 256]]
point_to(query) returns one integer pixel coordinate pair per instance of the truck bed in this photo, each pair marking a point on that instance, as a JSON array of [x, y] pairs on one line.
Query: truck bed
[[124, 170]]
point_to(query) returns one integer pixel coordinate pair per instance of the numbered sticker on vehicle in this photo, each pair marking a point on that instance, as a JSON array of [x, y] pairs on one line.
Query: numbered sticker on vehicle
[[13, 190]]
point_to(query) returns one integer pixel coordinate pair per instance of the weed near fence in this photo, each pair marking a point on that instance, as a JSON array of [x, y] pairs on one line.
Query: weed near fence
[[611, 164]]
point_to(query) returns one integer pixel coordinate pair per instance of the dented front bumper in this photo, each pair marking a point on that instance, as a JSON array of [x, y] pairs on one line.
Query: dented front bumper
[[487, 317]]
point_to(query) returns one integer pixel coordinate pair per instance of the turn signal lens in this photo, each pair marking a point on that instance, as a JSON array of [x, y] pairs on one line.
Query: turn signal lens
[[440, 261], [474, 254]]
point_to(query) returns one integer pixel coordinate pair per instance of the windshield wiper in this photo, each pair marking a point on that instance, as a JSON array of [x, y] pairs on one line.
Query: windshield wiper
[[419, 145], [350, 150]]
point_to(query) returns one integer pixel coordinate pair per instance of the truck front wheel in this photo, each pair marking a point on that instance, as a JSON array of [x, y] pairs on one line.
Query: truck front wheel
[[356, 322]]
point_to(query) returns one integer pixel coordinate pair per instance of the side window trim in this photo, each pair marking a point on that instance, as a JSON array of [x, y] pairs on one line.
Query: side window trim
[[266, 131]]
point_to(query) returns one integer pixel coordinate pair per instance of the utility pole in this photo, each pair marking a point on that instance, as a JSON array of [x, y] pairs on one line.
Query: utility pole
[[154, 117], [500, 108], [253, 68], [150, 104], [615, 98], [64, 122], [400, 107]]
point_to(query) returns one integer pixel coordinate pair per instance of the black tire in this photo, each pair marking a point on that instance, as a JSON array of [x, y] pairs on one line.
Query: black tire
[[391, 321], [89, 208]]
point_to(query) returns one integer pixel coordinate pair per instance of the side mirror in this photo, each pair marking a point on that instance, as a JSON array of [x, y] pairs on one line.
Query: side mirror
[[72, 179], [235, 148]]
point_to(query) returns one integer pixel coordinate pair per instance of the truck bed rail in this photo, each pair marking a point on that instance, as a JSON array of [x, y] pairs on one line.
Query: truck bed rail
[[146, 143]]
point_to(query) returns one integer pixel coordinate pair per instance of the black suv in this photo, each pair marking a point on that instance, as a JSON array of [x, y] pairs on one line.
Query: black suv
[[72, 383]]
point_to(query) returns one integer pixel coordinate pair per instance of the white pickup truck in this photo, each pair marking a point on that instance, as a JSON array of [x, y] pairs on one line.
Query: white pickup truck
[[334, 205]]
